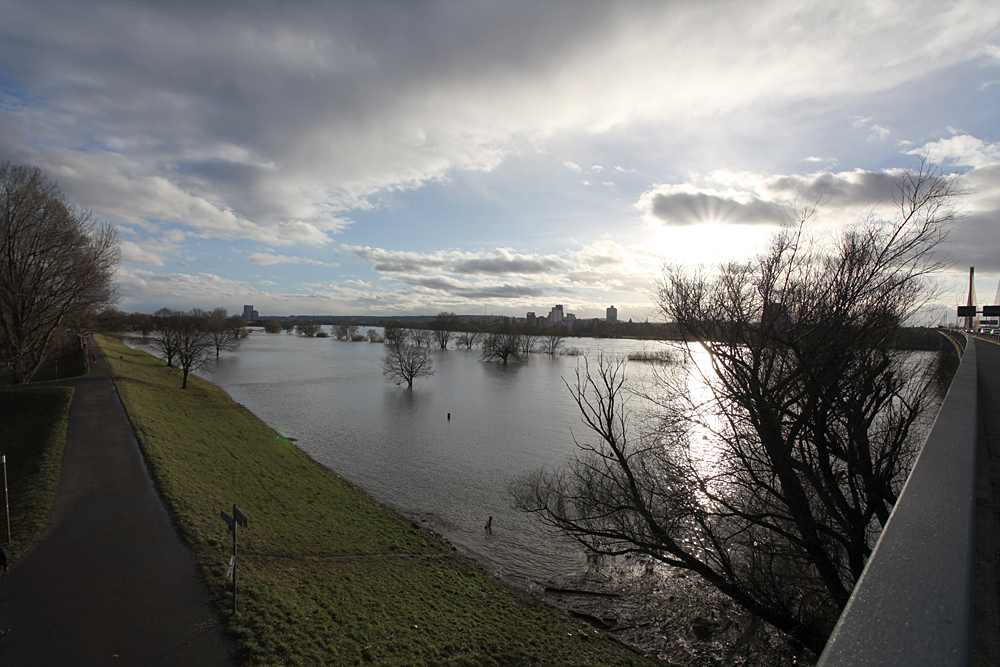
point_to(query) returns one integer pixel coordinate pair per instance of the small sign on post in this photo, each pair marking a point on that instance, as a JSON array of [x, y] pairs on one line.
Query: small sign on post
[[237, 519], [6, 500]]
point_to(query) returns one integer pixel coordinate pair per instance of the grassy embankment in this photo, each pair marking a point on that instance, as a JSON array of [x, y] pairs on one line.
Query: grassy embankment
[[326, 575], [34, 422]]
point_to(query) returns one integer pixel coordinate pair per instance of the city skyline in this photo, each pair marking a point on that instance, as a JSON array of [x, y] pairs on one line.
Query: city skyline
[[418, 157]]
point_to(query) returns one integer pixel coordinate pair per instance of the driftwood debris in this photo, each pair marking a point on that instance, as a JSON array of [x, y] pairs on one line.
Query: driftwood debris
[[600, 623], [579, 591]]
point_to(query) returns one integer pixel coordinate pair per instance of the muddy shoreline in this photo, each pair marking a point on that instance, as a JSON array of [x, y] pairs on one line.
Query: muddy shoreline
[[670, 615]]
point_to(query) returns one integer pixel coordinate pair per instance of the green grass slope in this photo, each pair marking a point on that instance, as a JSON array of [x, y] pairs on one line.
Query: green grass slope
[[326, 575], [34, 423]]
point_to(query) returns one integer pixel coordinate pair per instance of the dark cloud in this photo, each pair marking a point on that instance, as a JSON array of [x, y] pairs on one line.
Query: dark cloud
[[836, 190], [458, 289], [974, 241], [695, 208], [498, 265], [398, 262], [498, 262]]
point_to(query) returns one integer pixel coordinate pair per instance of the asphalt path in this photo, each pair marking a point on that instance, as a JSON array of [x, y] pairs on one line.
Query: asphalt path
[[110, 582], [986, 612]]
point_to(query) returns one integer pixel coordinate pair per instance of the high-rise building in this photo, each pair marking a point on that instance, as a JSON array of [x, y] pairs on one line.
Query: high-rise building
[[556, 315], [612, 313], [531, 319], [249, 314]]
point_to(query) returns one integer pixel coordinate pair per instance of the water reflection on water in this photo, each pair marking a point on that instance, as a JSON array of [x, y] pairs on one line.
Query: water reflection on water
[[401, 447]]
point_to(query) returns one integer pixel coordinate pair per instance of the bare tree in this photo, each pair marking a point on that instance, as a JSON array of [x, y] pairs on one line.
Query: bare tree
[[421, 337], [220, 329], [272, 325], [194, 345], [394, 333], [528, 338], [469, 338], [810, 413], [404, 362], [373, 336], [550, 343], [57, 267], [238, 326], [142, 322], [165, 338], [502, 344], [444, 326], [308, 328]]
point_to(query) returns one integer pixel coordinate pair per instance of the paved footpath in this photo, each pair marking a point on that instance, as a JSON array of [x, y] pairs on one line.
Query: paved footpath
[[110, 582], [986, 608]]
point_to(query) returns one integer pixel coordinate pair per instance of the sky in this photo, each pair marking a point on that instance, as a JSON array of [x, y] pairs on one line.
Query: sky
[[407, 158]]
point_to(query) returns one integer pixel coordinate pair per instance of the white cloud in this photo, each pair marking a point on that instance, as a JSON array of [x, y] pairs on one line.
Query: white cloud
[[572, 166], [878, 133], [960, 150], [266, 259], [179, 290], [133, 253]]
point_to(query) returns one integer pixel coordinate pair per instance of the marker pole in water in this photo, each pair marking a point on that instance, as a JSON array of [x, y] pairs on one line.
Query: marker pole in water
[[6, 501]]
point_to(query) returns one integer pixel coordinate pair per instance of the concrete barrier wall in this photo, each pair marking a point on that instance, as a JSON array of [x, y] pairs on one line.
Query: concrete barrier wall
[[913, 603]]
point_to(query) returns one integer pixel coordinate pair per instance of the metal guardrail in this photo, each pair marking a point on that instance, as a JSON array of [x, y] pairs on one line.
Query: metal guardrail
[[912, 605]]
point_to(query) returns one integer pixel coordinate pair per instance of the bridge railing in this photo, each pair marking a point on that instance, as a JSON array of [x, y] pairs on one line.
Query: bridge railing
[[912, 605]]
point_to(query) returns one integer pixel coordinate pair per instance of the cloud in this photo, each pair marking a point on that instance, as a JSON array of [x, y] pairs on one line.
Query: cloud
[[133, 253], [502, 261], [876, 132], [518, 280], [273, 121], [267, 259], [386, 261], [496, 262], [685, 205], [179, 290], [960, 150], [753, 199], [474, 292], [833, 190]]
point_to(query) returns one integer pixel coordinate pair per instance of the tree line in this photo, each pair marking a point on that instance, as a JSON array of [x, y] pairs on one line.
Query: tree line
[[57, 270]]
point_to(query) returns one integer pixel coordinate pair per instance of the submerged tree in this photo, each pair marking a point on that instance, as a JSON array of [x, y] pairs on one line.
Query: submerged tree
[[551, 342], [809, 412], [307, 328], [469, 338], [57, 268], [223, 331], [406, 361], [502, 344], [444, 326]]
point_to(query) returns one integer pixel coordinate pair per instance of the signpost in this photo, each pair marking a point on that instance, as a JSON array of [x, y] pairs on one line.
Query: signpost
[[237, 519], [6, 501]]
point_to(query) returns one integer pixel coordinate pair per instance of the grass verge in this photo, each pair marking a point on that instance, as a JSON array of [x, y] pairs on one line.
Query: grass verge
[[35, 420], [326, 574]]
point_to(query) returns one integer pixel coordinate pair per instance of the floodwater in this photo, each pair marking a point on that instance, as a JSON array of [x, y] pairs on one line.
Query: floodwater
[[400, 446]]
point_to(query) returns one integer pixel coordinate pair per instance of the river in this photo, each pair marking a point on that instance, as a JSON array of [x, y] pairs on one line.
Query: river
[[449, 474]]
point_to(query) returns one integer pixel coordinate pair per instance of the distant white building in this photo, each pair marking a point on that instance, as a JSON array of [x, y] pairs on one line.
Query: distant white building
[[556, 315], [612, 313]]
